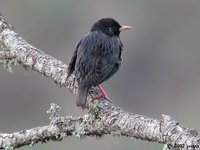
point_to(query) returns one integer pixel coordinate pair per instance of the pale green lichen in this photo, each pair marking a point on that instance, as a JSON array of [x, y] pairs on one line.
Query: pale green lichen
[[166, 147], [80, 131], [8, 147], [32, 144], [133, 139], [53, 111], [116, 133], [94, 107], [8, 64], [63, 135]]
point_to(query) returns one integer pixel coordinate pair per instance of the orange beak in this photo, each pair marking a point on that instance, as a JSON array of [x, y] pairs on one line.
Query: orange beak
[[125, 28]]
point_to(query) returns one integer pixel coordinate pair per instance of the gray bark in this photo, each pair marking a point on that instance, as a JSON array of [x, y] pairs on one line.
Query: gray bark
[[102, 118]]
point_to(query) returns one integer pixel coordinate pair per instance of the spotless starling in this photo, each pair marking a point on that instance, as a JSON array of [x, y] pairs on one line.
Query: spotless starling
[[97, 57]]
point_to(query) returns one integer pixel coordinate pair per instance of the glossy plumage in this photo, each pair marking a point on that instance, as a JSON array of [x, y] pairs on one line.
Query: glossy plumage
[[97, 57]]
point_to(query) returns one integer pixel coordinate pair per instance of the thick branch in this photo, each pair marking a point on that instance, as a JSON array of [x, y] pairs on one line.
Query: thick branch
[[102, 118]]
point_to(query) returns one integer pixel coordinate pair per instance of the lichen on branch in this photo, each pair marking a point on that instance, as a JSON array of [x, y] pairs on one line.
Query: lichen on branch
[[102, 118]]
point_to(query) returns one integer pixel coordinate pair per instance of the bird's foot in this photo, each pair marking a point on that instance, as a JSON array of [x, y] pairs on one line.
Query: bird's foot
[[103, 95]]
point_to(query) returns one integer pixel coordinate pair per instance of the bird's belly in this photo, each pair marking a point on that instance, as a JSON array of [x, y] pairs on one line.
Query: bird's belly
[[109, 72]]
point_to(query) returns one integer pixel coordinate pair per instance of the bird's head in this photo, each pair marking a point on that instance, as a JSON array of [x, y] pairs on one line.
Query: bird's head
[[109, 26]]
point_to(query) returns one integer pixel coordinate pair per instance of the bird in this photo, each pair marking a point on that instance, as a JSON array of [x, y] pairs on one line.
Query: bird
[[96, 58]]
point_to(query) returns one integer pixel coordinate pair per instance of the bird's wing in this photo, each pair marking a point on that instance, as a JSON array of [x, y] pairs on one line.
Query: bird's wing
[[103, 71], [87, 54], [94, 64], [72, 61], [109, 61]]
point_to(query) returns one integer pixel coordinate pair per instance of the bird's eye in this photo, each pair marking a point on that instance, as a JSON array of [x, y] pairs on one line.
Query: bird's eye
[[110, 29], [115, 28]]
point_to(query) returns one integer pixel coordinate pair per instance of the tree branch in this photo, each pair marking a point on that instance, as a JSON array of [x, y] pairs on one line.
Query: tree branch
[[103, 118]]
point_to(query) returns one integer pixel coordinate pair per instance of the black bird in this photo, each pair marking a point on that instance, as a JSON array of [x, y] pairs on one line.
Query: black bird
[[97, 57]]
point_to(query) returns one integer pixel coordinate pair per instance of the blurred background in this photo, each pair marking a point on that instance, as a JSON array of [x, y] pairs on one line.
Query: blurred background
[[160, 73]]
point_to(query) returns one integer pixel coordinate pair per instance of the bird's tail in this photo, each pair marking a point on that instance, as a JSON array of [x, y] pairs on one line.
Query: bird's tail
[[81, 98]]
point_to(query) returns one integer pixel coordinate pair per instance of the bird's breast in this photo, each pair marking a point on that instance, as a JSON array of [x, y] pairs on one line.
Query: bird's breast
[[112, 50]]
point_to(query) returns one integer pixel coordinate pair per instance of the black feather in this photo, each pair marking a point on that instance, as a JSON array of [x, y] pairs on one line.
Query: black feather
[[97, 57]]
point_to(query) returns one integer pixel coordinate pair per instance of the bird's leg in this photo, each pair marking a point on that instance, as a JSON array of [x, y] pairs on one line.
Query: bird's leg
[[103, 94]]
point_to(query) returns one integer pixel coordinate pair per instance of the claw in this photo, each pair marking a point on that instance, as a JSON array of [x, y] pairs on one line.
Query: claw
[[103, 95]]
